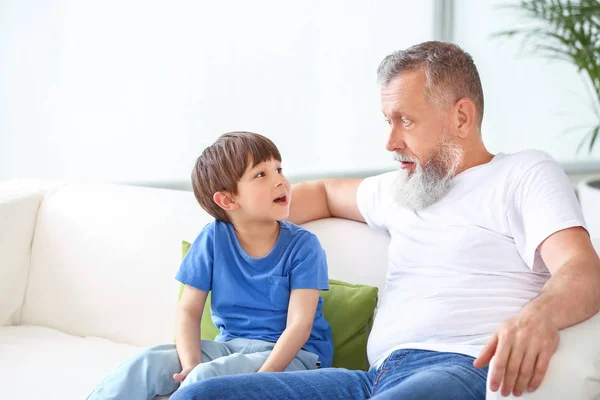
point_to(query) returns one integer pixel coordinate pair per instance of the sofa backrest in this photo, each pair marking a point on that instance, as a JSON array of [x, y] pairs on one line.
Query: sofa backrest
[[104, 257], [18, 210]]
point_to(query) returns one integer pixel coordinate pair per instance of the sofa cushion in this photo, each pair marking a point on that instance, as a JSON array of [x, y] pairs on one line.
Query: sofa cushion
[[42, 363], [348, 308], [103, 259]]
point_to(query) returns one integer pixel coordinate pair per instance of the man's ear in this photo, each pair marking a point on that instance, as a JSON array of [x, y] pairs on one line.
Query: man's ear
[[225, 200], [466, 115]]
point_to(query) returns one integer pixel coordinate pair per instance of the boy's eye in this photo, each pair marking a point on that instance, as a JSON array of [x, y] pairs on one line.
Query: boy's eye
[[260, 175], [279, 170]]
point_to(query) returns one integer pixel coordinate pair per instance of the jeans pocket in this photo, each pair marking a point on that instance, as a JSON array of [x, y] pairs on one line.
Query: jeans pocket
[[394, 359]]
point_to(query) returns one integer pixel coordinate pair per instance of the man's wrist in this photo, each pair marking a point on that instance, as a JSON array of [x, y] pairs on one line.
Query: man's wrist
[[538, 310]]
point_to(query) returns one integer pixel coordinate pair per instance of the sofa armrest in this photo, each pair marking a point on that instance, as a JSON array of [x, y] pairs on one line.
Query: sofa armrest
[[19, 204], [574, 370]]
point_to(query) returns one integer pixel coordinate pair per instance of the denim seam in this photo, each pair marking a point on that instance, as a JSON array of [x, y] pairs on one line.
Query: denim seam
[[385, 371], [248, 348]]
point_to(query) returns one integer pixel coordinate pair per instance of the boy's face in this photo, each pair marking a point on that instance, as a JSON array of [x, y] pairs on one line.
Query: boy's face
[[264, 193]]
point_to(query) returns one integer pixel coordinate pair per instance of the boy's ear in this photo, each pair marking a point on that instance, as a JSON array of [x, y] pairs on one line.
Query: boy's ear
[[225, 200]]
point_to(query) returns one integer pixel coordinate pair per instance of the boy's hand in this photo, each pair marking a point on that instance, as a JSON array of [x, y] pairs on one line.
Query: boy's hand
[[182, 375]]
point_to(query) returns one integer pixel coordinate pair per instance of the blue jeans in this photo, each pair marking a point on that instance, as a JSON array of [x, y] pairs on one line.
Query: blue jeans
[[150, 373], [405, 374]]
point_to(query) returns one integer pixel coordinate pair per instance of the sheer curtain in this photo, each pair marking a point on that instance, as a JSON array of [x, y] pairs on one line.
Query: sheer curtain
[[531, 102], [131, 90]]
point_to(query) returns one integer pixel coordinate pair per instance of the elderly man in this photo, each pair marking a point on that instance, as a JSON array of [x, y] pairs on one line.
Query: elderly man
[[488, 255]]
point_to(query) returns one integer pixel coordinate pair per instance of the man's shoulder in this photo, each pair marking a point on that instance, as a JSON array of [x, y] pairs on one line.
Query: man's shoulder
[[525, 159], [380, 183], [386, 177], [514, 166]]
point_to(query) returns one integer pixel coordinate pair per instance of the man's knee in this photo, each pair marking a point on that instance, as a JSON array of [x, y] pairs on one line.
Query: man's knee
[[456, 383], [205, 389], [221, 387]]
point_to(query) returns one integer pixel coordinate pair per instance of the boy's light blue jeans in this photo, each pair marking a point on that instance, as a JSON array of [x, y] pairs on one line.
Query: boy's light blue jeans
[[150, 373], [405, 375]]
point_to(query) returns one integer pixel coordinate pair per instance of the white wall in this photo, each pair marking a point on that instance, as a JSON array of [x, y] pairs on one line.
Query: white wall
[[132, 90], [530, 101]]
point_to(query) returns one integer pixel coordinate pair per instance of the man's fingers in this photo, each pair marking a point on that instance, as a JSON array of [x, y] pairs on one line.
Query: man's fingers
[[513, 366], [526, 372], [541, 367], [487, 352], [500, 363]]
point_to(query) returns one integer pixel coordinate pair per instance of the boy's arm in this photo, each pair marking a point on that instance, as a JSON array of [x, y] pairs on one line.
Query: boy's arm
[[189, 314], [301, 314]]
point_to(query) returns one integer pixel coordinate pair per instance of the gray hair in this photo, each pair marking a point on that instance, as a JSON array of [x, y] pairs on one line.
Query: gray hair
[[450, 73]]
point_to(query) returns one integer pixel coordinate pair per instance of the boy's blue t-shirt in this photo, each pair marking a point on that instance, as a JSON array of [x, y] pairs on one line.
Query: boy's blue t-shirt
[[250, 296]]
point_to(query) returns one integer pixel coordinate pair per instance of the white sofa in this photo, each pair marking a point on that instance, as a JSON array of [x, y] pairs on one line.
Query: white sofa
[[86, 280]]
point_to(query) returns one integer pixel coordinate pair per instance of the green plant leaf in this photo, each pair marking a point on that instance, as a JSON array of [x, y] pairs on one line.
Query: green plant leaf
[[592, 135], [568, 31], [593, 139]]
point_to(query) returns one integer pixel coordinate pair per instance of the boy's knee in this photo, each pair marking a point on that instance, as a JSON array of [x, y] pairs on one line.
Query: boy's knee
[[199, 373], [234, 364], [159, 353], [206, 370]]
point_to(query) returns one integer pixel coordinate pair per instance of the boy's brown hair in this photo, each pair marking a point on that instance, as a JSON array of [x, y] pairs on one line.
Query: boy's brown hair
[[221, 165]]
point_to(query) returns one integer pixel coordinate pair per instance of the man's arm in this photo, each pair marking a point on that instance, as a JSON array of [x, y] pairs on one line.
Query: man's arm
[[572, 295], [189, 315], [325, 199], [524, 344], [301, 314]]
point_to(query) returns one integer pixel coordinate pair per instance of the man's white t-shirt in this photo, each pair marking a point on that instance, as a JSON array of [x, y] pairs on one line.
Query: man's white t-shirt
[[463, 265]]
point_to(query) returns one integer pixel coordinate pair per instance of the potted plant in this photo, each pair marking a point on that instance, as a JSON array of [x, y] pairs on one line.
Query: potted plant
[[570, 31]]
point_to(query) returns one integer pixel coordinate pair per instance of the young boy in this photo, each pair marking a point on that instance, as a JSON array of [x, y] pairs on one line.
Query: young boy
[[264, 273]]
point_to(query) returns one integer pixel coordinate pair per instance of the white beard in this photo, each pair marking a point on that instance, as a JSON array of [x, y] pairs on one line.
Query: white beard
[[430, 182]]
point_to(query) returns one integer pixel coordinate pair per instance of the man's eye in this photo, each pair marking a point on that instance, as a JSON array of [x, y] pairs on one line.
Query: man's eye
[[389, 122], [279, 170], [260, 175], [405, 121]]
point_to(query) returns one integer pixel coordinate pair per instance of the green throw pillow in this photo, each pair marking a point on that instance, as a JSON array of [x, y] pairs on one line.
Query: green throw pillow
[[348, 308]]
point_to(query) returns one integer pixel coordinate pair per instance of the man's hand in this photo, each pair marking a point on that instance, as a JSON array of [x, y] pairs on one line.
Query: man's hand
[[182, 375], [523, 346]]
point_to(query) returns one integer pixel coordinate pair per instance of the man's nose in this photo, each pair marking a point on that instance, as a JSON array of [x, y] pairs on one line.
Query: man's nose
[[395, 140]]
